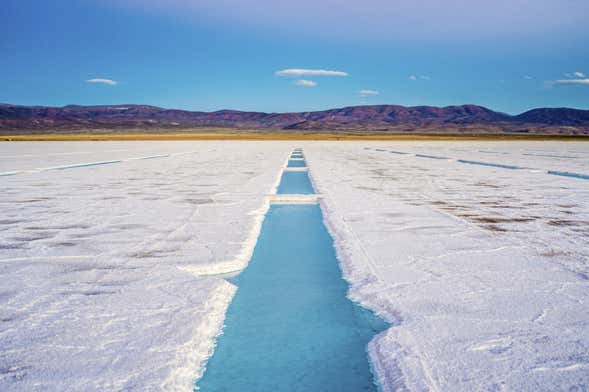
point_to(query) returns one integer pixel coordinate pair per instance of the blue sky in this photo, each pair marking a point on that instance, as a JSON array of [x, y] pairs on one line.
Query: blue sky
[[229, 54]]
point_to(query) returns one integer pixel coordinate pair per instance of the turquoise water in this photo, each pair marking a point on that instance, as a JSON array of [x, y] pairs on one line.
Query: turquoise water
[[295, 183], [87, 165], [429, 156], [290, 326], [499, 165], [569, 174], [292, 163]]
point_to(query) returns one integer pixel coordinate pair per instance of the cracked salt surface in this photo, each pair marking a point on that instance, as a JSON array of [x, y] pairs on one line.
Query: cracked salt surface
[[484, 270], [100, 285]]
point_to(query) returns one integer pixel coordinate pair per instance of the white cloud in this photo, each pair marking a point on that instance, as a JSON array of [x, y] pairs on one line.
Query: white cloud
[[422, 77], [528, 77], [305, 83], [571, 81], [365, 93], [572, 78], [309, 72], [110, 82]]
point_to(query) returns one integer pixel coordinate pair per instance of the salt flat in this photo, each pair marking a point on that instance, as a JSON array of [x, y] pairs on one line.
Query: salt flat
[[483, 269], [103, 269], [109, 274]]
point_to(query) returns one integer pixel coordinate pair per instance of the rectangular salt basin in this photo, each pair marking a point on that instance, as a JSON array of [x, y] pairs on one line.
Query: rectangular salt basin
[[421, 221], [485, 268], [292, 163], [295, 182], [290, 325], [100, 264]]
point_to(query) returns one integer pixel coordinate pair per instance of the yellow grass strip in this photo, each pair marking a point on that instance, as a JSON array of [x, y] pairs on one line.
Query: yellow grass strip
[[274, 135]]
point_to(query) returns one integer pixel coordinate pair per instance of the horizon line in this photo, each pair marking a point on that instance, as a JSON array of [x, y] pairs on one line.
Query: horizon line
[[287, 112]]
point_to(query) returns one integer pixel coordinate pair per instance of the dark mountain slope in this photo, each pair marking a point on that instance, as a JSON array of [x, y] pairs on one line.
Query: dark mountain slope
[[393, 118], [555, 116]]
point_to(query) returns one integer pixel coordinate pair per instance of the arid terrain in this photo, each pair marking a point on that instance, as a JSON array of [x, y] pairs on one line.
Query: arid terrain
[[354, 120]]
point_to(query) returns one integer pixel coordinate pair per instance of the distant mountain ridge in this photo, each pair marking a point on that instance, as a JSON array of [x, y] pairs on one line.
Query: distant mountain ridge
[[373, 118], [555, 116]]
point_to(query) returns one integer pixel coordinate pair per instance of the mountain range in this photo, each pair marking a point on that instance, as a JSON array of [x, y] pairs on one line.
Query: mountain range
[[462, 119]]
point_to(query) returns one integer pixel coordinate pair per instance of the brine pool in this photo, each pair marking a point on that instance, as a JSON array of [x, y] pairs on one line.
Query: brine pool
[[296, 163], [295, 182], [290, 326]]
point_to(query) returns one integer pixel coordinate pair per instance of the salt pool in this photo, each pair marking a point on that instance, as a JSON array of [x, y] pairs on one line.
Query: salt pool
[[290, 326], [499, 165], [294, 163], [569, 174], [295, 182]]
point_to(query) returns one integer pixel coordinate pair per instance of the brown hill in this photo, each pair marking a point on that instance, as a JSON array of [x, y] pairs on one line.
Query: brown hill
[[374, 118]]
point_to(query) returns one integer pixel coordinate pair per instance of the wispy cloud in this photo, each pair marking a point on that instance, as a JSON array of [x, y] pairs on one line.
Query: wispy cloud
[[309, 72], [528, 77], [422, 77], [109, 82], [571, 81], [366, 93], [305, 83], [577, 77], [574, 75]]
